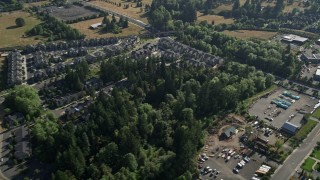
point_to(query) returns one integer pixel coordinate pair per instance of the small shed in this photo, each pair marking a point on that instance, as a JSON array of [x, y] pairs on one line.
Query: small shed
[[227, 133], [289, 128], [96, 25]]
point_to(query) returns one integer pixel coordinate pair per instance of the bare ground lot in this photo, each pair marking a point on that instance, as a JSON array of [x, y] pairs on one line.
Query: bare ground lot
[[247, 34], [83, 27], [217, 19], [263, 108], [215, 146], [70, 13]]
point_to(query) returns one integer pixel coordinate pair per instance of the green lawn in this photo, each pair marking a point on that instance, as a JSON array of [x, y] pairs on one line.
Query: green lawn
[[305, 129], [307, 165], [316, 113], [316, 154], [11, 35]]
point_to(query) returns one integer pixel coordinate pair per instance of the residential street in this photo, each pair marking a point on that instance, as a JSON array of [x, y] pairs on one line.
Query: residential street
[[297, 157]]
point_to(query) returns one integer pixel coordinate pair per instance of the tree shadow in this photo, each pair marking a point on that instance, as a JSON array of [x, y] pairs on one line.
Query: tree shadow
[[12, 27]]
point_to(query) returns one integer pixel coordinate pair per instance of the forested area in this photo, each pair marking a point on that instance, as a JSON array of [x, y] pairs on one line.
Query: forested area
[[253, 15], [55, 30], [151, 129], [10, 5], [269, 57]]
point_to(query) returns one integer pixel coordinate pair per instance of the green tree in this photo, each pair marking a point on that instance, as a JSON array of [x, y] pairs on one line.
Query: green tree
[[20, 22], [23, 99]]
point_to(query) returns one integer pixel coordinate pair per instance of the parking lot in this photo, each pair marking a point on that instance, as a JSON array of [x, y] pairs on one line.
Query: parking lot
[[225, 167], [278, 116]]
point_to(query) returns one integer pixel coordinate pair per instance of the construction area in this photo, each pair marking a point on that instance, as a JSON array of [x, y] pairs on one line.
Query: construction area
[[281, 106]]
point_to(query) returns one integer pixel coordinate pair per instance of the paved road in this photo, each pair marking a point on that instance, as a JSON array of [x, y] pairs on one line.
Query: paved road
[[110, 11], [296, 158], [1, 140]]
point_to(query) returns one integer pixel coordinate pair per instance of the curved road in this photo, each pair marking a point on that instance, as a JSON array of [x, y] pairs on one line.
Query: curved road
[[293, 162]]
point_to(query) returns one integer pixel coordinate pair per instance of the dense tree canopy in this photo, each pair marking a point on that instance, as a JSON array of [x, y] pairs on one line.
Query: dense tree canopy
[[23, 99], [152, 127]]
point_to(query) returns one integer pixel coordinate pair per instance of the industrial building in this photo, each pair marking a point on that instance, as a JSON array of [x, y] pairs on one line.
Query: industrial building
[[289, 128], [290, 38], [310, 57]]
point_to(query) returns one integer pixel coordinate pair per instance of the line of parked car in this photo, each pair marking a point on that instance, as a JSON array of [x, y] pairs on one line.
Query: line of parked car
[[212, 172], [241, 164]]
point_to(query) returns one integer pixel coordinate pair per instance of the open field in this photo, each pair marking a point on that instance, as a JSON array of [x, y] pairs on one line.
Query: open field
[[40, 3], [316, 113], [70, 13], [247, 34], [263, 109], [83, 27], [217, 19], [307, 165], [287, 8], [134, 12], [306, 129], [13, 36]]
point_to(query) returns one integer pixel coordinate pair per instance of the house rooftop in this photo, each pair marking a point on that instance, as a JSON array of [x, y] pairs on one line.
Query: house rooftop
[[228, 132]]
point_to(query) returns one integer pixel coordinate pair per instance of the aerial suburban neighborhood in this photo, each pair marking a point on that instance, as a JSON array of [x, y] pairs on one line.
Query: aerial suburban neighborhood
[[152, 89]]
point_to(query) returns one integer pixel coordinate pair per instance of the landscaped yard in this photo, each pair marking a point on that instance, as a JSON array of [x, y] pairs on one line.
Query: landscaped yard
[[305, 129], [246, 34], [83, 27], [316, 154], [316, 113], [11, 35], [307, 165]]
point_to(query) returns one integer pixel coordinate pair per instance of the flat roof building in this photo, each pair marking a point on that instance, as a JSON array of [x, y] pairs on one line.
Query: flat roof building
[[289, 128], [290, 38]]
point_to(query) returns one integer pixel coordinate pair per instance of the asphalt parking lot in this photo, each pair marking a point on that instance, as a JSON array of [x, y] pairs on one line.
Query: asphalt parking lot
[[226, 168], [264, 109]]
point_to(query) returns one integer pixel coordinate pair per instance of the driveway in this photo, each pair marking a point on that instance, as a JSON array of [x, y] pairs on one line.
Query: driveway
[[294, 161]]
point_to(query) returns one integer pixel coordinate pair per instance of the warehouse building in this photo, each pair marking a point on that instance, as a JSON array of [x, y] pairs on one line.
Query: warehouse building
[[294, 39], [289, 128]]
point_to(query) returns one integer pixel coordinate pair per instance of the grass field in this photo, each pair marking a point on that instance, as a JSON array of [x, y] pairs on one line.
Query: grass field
[[40, 3], [13, 36], [316, 154], [134, 12], [247, 34], [305, 129], [287, 8], [307, 165], [316, 113], [83, 27], [217, 19]]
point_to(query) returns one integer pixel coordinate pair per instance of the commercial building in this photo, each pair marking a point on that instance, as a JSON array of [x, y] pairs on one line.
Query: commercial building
[[310, 57], [290, 38], [289, 128]]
